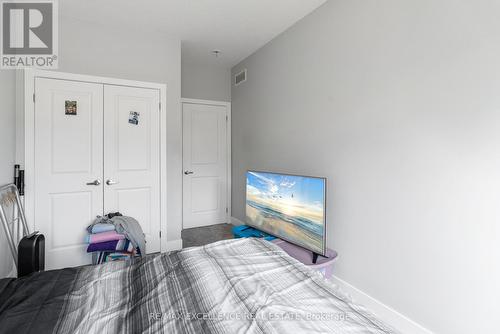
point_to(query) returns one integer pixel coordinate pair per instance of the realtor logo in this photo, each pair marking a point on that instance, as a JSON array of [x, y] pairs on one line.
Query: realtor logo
[[29, 34]]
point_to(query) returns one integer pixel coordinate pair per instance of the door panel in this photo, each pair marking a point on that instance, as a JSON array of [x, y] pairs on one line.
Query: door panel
[[204, 136], [68, 155], [62, 234], [133, 140], [205, 194], [205, 165], [131, 151]]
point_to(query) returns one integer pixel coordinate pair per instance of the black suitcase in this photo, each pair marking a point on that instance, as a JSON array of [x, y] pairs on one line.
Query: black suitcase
[[31, 254]]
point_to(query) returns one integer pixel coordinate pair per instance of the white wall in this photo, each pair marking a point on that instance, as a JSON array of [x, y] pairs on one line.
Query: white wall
[[206, 82], [397, 103], [113, 52]]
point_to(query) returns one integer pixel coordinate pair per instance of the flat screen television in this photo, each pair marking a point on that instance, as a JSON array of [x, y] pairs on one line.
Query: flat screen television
[[290, 207]]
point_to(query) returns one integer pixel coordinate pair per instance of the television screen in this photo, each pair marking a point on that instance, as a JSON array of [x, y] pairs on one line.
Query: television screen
[[290, 207]]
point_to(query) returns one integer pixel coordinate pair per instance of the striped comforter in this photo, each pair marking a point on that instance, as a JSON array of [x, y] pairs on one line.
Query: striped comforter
[[232, 286]]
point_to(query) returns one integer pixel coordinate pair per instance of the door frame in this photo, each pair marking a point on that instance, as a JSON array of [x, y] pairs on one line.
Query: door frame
[[228, 144], [27, 142]]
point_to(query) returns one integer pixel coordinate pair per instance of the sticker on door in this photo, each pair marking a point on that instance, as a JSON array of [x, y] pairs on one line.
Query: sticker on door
[[133, 118], [70, 107]]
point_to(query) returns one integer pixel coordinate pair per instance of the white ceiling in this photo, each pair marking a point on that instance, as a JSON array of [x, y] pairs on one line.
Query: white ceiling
[[236, 27]]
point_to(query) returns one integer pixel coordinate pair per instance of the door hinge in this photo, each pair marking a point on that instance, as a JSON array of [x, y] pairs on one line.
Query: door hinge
[[159, 105], [227, 118], [227, 210], [33, 97], [159, 233]]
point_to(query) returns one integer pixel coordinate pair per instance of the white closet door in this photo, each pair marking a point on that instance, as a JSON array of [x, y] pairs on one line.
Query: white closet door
[[68, 159], [205, 165], [131, 157]]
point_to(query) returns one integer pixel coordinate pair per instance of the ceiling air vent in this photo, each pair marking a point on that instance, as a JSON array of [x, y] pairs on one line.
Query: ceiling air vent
[[240, 78]]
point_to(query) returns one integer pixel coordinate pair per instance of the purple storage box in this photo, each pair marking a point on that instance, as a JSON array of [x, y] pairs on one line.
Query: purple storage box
[[323, 264]]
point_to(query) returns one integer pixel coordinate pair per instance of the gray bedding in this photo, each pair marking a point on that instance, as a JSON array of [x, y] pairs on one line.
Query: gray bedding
[[232, 286]]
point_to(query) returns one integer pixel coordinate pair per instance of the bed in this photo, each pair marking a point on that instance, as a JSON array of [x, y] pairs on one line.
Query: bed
[[232, 286]]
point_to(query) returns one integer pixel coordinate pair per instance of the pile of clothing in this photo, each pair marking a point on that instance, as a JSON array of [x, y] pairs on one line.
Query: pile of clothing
[[115, 237]]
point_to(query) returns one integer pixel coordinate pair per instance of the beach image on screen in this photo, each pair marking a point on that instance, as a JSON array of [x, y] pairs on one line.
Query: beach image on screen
[[287, 206]]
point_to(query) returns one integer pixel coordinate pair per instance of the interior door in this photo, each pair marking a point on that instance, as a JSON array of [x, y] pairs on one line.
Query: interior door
[[131, 157], [68, 167], [205, 165]]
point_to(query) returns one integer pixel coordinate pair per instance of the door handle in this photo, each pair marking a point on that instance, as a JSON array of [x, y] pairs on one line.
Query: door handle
[[94, 183], [188, 172], [111, 182]]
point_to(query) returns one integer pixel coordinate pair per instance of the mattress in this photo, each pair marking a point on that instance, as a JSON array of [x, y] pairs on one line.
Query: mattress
[[232, 286]]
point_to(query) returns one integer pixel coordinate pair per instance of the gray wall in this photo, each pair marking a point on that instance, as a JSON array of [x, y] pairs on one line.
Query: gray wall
[[7, 151], [206, 82], [397, 103], [113, 52]]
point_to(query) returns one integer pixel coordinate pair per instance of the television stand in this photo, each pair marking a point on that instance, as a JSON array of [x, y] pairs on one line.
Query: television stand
[[317, 262], [315, 257]]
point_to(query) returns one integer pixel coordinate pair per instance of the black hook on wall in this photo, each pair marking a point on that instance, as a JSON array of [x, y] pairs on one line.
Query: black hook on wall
[[19, 179]]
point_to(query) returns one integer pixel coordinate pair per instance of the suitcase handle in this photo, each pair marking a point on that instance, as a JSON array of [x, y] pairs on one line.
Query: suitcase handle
[[32, 234]]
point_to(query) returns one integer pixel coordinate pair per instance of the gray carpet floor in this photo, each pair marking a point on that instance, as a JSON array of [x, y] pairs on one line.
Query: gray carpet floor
[[200, 236]]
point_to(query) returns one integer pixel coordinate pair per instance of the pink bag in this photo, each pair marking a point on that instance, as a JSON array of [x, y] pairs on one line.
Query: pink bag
[[103, 237]]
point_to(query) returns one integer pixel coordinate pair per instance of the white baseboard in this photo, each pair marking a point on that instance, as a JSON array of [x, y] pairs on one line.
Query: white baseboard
[[236, 222], [385, 313], [174, 245]]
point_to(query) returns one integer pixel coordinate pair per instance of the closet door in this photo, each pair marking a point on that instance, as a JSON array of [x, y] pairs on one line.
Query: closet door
[[132, 157], [68, 167]]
